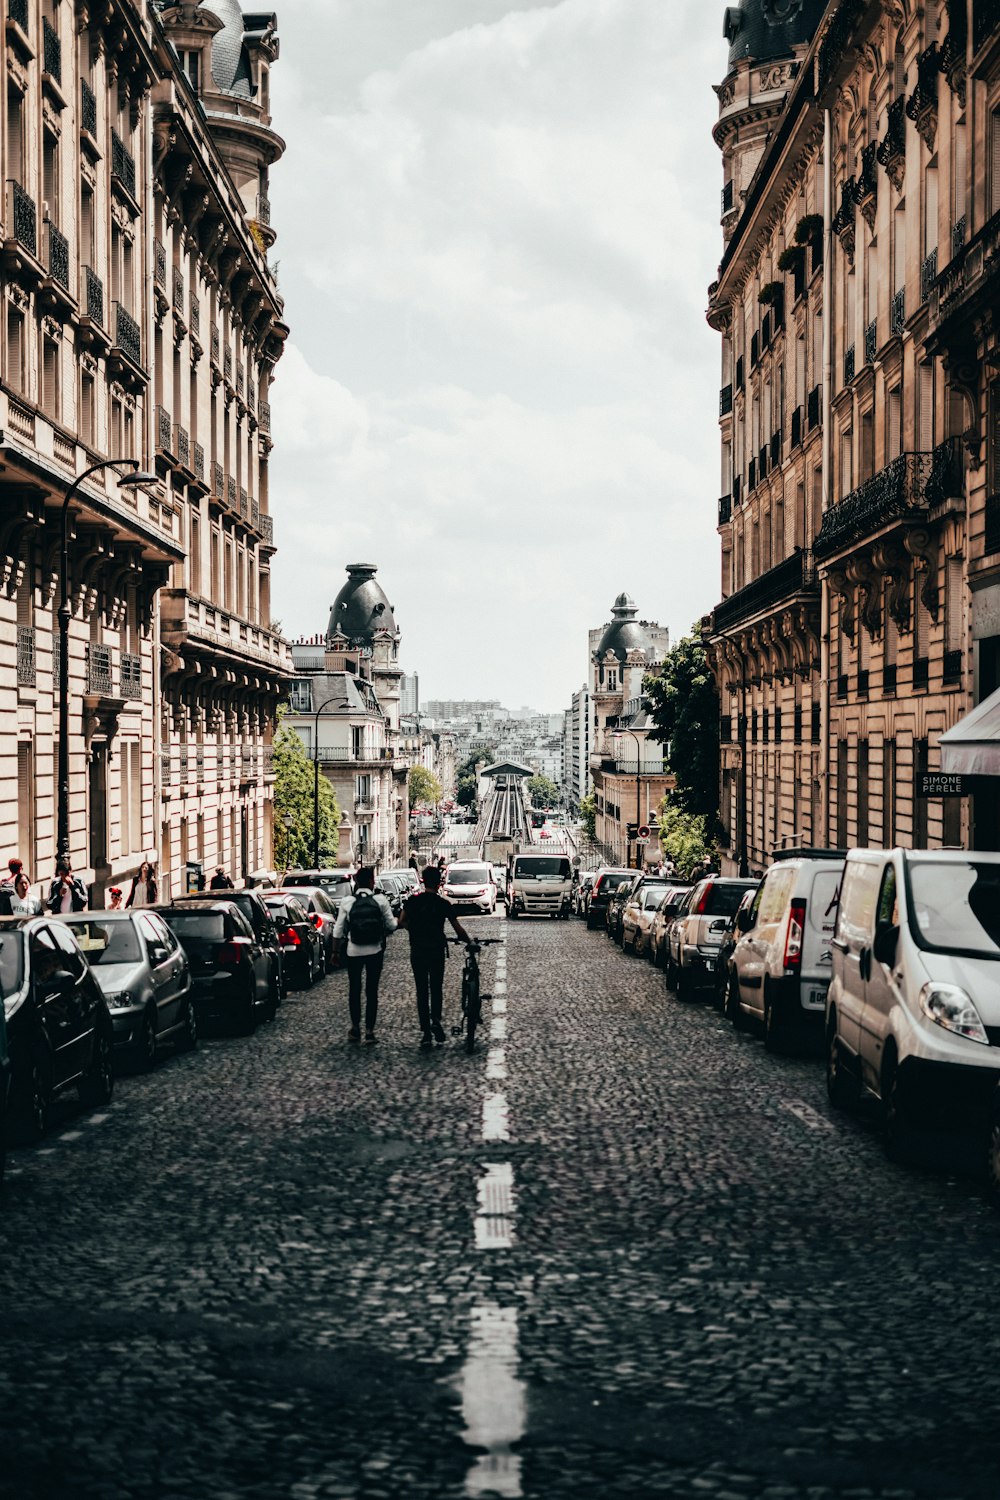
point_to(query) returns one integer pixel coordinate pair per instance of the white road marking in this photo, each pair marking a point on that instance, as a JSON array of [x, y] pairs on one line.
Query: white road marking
[[71, 1135], [498, 1028], [499, 1005], [496, 1063], [96, 1119], [494, 1402], [809, 1116], [496, 1124]]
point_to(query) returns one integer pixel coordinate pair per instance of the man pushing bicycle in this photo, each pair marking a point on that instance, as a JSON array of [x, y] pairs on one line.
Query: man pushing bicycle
[[423, 917]]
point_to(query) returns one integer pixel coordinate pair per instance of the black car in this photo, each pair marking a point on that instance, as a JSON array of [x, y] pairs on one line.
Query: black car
[[232, 973], [300, 938], [730, 938], [606, 882], [616, 906], [59, 1028], [251, 904]]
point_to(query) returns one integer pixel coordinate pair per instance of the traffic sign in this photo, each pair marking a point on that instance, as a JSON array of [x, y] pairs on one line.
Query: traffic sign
[[641, 842], [644, 833], [631, 829]]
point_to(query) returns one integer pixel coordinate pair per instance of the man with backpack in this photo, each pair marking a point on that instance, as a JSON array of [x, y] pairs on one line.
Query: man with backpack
[[424, 916], [366, 919]]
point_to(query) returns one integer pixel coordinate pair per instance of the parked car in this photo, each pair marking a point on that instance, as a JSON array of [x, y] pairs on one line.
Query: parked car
[[913, 1008], [581, 891], [662, 918], [394, 889], [616, 907], [407, 876], [730, 938], [59, 1028], [4, 1074], [251, 904], [696, 934], [470, 886], [782, 961], [322, 914], [336, 883], [232, 973], [606, 881], [300, 939], [637, 917], [145, 976]]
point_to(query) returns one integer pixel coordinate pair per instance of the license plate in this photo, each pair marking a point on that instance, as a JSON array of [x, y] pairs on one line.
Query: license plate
[[710, 964], [817, 998]]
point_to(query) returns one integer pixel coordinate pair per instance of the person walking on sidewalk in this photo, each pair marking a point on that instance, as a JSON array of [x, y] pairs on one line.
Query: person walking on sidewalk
[[366, 919], [423, 917], [66, 892]]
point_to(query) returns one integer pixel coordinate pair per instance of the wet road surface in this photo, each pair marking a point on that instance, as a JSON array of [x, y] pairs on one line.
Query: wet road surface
[[621, 1251]]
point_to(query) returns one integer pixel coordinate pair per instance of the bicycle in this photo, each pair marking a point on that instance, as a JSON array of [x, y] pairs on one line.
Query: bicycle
[[472, 997]]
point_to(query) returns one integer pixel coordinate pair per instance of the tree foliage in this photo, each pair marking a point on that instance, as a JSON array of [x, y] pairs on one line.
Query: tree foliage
[[293, 793], [684, 706], [467, 783], [423, 786], [588, 815], [542, 790], [684, 837]]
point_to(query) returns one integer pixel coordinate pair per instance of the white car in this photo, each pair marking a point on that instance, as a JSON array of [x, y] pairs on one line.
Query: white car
[[471, 886], [637, 918]]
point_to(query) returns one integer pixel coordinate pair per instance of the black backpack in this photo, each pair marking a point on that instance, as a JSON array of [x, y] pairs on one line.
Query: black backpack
[[365, 925]]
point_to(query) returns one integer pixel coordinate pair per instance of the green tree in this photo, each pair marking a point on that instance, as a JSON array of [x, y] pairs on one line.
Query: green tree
[[588, 815], [293, 794], [542, 791], [684, 837], [465, 795], [423, 786], [467, 783], [684, 706]]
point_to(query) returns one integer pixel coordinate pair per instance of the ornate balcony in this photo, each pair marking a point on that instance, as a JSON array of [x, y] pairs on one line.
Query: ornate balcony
[[178, 290], [871, 342], [26, 669], [17, 10], [970, 281], [928, 274], [127, 336], [725, 400], [835, 43], [194, 316], [797, 426], [216, 346], [100, 682], [51, 51], [58, 257], [227, 367], [160, 264], [88, 108], [130, 676], [231, 492], [23, 218], [164, 428], [788, 578], [725, 509], [244, 504], [849, 364], [264, 416], [93, 296], [267, 530], [218, 480], [903, 488], [897, 312], [122, 164], [199, 463], [182, 446], [813, 412]]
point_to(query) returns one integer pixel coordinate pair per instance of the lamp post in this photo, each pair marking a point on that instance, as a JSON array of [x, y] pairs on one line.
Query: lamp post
[[638, 783], [337, 698], [64, 614]]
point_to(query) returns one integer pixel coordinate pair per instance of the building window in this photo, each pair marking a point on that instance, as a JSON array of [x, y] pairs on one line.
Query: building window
[[87, 423], [191, 67], [15, 134], [862, 794], [50, 379], [26, 803], [894, 426], [15, 348], [995, 162], [920, 766], [925, 408], [50, 176], [131, 795], [953, 591], [888, 794], [117, 427]]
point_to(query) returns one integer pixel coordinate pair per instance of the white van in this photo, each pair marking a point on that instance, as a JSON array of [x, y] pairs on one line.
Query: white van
[[540, 885], [913, 1009], [781, 963]]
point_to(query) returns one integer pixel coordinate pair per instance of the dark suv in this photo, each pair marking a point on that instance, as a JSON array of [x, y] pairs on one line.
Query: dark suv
[[606, 882], [251, 904]]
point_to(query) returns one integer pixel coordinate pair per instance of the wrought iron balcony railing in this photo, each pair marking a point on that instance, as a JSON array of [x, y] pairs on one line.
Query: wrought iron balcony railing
[[727, 197], [897, 315], [127, 335], [194, 315], [835, 42], [216, 346], [725, 509], [88, 108], [244, 504], [23, 217], [228, 365], [793, 576], [199, 463], [974, 268], [218, 480], [928, 274], [99, 676], [797, 426], [130, 675], [813, 412], [739, 374], [58, 256], [263, 209], [17, 10], [26, 668], [163, 430], [985, 22], [725, 400], [849, 364], [122, 163], [93, 296], [51, 50], [267, 530], [898, 489], [160, 264], [871, 341], [958, 236], [264, 416], [231, 492], [178, 290], [182, 445], [240, 380]]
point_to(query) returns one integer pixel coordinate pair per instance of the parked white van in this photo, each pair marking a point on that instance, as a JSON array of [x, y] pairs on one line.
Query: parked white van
[[913, 1009], [782, 961], [540, 885]]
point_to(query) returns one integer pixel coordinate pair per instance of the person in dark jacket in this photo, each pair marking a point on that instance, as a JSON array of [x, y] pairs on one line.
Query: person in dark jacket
[[424, 916], [66, 892], [220, 881], [143, 892]]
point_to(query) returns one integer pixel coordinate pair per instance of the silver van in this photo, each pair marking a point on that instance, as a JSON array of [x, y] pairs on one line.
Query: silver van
[[781, 963], [913, 1008]]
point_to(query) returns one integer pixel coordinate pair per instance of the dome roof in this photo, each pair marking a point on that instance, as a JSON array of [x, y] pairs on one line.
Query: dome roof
[[625, 633], [361, 607], [230, 65], [765, 29]]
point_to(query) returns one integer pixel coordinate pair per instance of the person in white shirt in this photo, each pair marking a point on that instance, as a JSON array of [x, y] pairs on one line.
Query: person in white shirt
[[366, 920], [19, 902]]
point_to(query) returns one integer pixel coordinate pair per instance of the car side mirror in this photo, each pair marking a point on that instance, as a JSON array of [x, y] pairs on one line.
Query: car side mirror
[[886, 944], [744, 921]]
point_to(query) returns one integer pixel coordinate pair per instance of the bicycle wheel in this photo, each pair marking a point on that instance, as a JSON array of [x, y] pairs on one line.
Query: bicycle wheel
[[472, 1009]]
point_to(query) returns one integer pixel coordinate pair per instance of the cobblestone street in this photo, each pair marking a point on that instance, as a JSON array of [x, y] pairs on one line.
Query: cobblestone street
[[621, 1251]]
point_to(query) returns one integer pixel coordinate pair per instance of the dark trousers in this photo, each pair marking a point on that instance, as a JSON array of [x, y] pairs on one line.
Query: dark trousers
[[371, 967], [428, 976]]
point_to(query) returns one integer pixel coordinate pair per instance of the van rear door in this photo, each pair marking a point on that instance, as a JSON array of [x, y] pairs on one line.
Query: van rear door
[[852, 943], [821, 914]]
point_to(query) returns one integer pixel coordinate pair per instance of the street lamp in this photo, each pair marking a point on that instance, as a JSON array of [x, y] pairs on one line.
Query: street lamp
[[616, 735], [125, 481], [337, 698]]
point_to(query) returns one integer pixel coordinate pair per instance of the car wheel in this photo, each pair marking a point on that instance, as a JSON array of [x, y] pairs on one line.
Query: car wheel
[[774, 1029], [274, 1000], [591, 924], [512, 912], [841, 1086], [146, 1045], [734, 1010], [246, 1015], [33, 1101], [993, 1161], [670, 976], [187, 1037], [897, 1125], [98, 1083], [685, 984]]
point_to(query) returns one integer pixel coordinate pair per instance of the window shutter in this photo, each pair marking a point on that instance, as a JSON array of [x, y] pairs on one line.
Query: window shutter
[[891, 636], [953, 604], [894, 438], [26, 803], [995, 164], [922, 623], [930, 210], [961, 169], [925, 411], [135, 794]]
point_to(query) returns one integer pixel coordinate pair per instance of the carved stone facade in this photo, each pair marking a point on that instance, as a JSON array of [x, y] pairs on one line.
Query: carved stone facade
[[855, 300], [169, 720]]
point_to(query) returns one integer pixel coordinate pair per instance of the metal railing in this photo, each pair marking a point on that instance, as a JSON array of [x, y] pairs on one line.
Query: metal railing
[[23, 217], [263, 209], [160, 264], [244, 504], [17, 10], [973, 264], [231, 492], [199, 463], [130, 675], [797, 426], [26, 667], [834, 44], [267, 530], [985, 20], [897, 315], [871, 341], [88, 108], [264, 416], [122, 163], [725, 509], [99, 677], [51, 50], [218, 480], [227, 368], [792, 576], [178, 290], [898, 488], [182, 445], [127, 335], [725, 400], [93, 296], [216, 346], [813, 408], [958, 230], [928, 274], [194, 315], [727, 197], [58, 256], [164, 429], [849, 364]]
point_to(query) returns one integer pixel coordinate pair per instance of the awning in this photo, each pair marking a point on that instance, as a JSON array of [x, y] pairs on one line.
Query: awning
[[972, 747]]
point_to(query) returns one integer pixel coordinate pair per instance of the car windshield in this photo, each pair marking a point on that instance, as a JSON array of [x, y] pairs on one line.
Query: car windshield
[[108, 942], [11, 962], [723, 900], [201, 926], [955, 907], [612, 882], [549, 867], [652, 895], [474, 876]]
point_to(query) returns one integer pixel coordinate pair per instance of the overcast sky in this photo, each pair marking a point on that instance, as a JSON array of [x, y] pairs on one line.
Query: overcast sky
[[497, 223]]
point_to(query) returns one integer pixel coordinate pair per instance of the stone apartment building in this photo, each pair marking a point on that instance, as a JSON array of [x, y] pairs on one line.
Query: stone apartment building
[[140, 323], [860, 550], [626, 766]]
